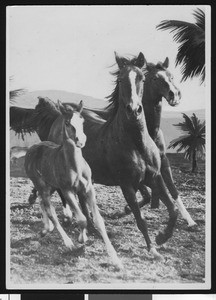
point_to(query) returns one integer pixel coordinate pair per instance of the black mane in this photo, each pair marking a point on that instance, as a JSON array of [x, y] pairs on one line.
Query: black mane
[[113, 97]]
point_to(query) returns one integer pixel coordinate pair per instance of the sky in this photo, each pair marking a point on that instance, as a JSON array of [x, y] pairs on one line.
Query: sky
[[72, 48]]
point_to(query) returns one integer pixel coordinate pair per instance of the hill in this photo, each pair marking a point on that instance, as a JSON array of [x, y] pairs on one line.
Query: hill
[[29, 100]]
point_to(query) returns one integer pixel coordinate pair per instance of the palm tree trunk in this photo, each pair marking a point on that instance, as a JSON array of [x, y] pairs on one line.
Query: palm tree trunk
[[194, 162]]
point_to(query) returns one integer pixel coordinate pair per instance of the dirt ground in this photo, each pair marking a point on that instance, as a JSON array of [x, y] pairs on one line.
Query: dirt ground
[[37, 260]]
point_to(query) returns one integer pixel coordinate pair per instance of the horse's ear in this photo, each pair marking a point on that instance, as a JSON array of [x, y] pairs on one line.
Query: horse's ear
[[80, 107], [141, 61], [60, 106], [121, 61], [166, 63]]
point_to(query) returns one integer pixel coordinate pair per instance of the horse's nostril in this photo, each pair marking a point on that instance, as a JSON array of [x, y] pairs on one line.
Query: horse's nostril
[[171, 95], [129, 109], [139, 110]]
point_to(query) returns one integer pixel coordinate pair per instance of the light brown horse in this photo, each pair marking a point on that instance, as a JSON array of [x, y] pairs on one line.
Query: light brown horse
[[62, 167]]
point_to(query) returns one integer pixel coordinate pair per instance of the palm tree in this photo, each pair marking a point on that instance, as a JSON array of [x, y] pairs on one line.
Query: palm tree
[[13, 94], [193, 143], [16, 93], [191, 37]]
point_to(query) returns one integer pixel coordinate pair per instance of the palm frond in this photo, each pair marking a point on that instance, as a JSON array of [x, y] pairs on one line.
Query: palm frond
[[16, 93], [187, 125], [191, 51], [182, 142], [194, 141]]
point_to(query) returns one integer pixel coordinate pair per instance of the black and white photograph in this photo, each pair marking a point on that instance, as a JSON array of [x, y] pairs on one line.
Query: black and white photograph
[[108, 147]]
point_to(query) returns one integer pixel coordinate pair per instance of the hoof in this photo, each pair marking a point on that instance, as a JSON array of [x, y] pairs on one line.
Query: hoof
[[67, 221], [118, 265], [32, 199], [82, 238], [127, 210], [76, 251], [193, 227], [161, 238], [156, 255], [43, 232], [69, 244]]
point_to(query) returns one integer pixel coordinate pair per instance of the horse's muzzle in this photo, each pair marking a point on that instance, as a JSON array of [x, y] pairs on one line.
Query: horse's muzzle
[[174, 98], [135, 113], [80, 143]]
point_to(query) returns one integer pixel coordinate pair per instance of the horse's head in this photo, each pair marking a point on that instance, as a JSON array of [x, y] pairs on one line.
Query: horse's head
[[160, 83], [74, 123], [130, 84]]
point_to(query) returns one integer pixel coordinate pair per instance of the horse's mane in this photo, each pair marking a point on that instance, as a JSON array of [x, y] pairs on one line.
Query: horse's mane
[[45, 113], [113, 97]]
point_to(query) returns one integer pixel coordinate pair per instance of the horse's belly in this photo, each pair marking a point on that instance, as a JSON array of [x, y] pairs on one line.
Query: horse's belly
[[39, 163]]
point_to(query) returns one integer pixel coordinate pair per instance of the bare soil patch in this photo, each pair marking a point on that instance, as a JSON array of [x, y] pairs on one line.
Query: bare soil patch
[[39, 260]]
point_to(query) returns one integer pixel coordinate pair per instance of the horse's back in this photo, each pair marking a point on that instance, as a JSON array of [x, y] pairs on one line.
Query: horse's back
[[38, 156]]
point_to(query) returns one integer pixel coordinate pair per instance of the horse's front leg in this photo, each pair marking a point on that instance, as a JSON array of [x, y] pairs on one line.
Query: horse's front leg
[[146, 197], [168, 179], [68, 215], [130, 196], [157, 184]]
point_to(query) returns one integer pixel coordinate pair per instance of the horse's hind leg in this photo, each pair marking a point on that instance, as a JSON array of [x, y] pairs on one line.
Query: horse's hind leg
[[48, 225], [130, 196], [33, 196], [81, 219], [160, 188], [168, 179], [50, 211], [85, 210], [99, 223], [66, 209]]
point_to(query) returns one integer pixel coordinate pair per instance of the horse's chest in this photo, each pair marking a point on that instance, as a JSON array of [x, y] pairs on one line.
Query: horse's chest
[[128, 164]]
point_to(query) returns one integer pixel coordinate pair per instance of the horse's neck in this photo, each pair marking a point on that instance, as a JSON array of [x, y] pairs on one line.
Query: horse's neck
[[133, 131], [152, 112], [72, 155], [56, 132]]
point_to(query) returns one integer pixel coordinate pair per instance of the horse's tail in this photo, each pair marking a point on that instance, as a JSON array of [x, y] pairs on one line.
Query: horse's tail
[[20, 120], [39, 119]]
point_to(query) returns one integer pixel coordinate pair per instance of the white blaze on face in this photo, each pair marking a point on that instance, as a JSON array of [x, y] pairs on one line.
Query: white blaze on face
[[135, 98], [77, 123], [164, 76]]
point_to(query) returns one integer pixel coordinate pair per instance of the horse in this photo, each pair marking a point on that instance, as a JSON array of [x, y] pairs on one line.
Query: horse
[[120, 150], [51, 166], [158, 84]]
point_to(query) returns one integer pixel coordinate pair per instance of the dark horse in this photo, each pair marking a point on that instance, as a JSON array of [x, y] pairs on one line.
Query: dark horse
[[159, 84], [52, 167], [120, 150]]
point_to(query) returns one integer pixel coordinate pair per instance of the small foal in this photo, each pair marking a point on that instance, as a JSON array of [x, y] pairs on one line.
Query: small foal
[[51, 166]]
